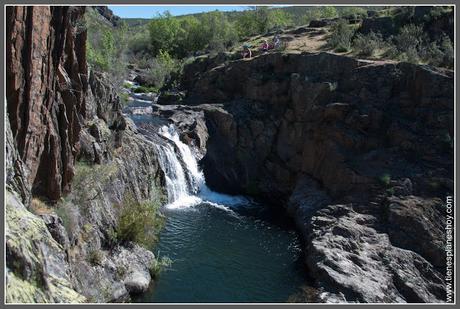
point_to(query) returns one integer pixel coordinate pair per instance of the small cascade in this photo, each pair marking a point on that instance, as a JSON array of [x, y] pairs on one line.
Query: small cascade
[[194, 175], [185, 181]]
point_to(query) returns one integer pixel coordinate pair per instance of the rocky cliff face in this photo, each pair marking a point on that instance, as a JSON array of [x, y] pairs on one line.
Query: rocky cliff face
[[67, 252], [46, 90], [359, 152], [62, 248], [340, 120]]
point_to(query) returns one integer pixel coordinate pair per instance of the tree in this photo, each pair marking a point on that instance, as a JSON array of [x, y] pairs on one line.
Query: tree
[[164, 30], [259, 20], [328, 12], [219, 31]]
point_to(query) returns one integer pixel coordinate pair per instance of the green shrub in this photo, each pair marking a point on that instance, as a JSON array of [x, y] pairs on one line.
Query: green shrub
[[447, 48], [158, 265], [367, 45], [410, 37], [144, 89], [106, 46], [410, 55], [139, 222], [84, 188], [390, 191], [69, 217], [385, 179], [260, 20], [413, 45], [140, 42], [124, 98], [95, 257], [112, 237], [352, 11], [340, 39], [157, 71]]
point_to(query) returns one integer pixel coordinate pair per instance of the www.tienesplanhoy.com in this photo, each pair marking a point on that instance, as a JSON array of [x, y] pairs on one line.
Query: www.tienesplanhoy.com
[[450, 249]]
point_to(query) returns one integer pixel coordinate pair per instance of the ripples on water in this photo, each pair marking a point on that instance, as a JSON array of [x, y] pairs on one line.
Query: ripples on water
[[220, 256]]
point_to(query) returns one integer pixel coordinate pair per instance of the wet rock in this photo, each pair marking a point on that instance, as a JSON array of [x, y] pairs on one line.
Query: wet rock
[[137, 282], [150, 96], [119, 294]]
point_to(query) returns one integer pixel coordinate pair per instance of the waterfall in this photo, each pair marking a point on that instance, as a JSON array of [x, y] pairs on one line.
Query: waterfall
[[185, 183]]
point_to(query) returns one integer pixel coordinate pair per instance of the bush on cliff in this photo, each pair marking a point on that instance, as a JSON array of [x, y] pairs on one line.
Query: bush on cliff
[[86, 176], [413, 45], [368, 44], [139, 222], [340, 39]]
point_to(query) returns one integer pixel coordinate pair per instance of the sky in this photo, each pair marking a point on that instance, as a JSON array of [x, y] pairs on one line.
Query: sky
[[132, 11]]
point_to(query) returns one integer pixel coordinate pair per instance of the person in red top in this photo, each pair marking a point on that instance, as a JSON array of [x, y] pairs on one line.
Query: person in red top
[[265, 47]]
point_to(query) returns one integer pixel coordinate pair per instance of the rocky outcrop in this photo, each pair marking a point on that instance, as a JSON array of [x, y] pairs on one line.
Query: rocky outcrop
[[16, 173], [45, 90], [36, 265], [359, 152], [120, 162], [76, 238], [320, 115], [67, 250], [355, 259], [108, 15]]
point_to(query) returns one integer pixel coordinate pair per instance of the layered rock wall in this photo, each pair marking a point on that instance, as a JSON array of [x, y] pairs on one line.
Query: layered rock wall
[[359, 152], [45, 90]]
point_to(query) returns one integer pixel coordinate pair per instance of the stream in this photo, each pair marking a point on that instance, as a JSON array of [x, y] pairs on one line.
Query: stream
[[223, 248]]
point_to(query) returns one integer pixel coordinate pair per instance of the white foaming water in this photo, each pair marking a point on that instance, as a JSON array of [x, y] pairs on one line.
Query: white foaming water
[[185, 182]]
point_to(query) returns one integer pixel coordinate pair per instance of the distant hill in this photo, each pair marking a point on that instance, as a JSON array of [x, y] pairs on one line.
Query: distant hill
[[136, 22], [297, 14]]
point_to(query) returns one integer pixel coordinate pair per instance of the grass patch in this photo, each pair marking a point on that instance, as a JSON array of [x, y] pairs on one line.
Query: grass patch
[[39, 207], [69, 216], [124, 98], [95, 257], [144, 89], [127, 85], [158, 265]]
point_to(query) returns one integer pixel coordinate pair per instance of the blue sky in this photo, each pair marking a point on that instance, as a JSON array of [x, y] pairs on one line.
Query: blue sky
[[132, 11]]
